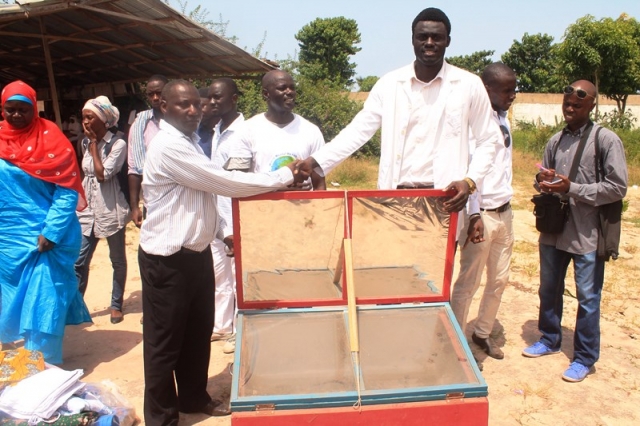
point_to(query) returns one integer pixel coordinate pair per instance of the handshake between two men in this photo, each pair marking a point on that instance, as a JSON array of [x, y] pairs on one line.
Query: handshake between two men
[[303, 169]]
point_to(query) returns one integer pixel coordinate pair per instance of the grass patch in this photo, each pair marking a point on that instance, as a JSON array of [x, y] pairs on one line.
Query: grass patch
[[355, 173], [531, 140], [525, 247]]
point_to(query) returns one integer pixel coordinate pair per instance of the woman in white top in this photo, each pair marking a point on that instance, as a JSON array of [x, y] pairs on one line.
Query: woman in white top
[[107, 213]]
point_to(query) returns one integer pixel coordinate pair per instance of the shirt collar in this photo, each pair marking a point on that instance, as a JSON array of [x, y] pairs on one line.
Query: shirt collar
[[194, 138], [202, 129], [107, 136], [154, 117], [577, 133], [440, 75], [232, 127]]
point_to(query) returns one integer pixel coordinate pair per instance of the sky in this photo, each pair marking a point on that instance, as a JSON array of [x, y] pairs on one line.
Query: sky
[[385, 25]]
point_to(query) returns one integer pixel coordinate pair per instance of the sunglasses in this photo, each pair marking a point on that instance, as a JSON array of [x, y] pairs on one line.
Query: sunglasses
[[579, 92], [506, 135]]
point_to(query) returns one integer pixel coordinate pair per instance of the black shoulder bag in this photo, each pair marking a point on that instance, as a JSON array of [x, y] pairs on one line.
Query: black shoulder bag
[[550, 210], [610, 217]]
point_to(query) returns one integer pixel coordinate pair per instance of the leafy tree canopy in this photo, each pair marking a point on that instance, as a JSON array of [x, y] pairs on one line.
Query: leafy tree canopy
[[365, 84], [475, 63], [535, 62], [326, 45], [606, 52]]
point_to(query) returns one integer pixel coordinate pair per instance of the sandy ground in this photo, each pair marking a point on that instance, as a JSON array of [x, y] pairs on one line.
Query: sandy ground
[[521, 390]]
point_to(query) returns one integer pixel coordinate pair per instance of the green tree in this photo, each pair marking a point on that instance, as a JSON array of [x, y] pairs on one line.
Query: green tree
[[326, 45], [605, 51], [365, 84], [475, 63], [329, 107], [250, 101], [535, 63]]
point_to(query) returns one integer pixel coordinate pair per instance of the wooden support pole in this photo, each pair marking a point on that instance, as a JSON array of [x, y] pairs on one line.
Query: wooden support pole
[[52, 81]]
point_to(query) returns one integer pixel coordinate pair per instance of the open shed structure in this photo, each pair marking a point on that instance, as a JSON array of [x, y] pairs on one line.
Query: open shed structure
[[61, 46]]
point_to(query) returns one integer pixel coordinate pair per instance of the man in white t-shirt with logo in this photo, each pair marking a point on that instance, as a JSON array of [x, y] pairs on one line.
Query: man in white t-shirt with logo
[[273, 139]]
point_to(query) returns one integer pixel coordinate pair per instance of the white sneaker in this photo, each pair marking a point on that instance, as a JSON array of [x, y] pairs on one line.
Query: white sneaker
[[230, 345]]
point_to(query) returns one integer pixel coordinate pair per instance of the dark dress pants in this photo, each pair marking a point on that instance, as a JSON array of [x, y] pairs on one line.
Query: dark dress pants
[[178, 309]]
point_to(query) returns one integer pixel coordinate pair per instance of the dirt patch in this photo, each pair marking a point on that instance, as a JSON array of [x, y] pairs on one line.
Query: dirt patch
[[521, 391]]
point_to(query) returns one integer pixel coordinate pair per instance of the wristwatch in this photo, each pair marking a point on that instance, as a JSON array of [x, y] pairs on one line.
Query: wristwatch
[[471, 183]]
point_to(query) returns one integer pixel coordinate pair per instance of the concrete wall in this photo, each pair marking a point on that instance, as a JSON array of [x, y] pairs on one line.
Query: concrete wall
[[543, 108]]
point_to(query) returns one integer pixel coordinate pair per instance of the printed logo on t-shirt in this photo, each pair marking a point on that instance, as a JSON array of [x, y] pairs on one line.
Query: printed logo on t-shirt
[[282, 161]]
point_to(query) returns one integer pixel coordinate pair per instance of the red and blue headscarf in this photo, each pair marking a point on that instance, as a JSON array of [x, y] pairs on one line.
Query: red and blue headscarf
[[40, 149]]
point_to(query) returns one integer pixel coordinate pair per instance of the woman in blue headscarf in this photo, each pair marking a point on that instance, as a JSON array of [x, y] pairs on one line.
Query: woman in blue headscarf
[[40, 189]]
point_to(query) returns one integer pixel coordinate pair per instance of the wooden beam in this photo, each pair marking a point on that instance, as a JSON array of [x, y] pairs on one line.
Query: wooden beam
[[172, 23], [52, 81], [58, 38]]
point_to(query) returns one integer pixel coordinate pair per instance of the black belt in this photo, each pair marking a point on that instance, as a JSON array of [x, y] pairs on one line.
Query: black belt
[[415, 187], [503, 208], [185, 250]]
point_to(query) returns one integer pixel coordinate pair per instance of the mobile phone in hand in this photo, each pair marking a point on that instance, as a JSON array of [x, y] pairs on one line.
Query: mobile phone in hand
[[554, 181]]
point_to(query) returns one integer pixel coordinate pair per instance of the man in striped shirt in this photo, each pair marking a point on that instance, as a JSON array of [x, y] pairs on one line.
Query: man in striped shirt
[[143, 129], [180, 185]]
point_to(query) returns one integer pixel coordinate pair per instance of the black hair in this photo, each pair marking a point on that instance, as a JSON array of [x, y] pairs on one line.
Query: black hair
[[170, 85], [158, 77], [492, 71], [203, 92], [229, 82], [268, 77], [432, 14]]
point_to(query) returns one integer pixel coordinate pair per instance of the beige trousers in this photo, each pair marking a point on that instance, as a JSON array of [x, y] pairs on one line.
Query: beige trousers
[[495, 254]]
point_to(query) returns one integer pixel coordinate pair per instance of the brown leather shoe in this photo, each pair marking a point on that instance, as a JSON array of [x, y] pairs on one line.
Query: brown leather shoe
[[116, 316], [216, 409], [489, 346]]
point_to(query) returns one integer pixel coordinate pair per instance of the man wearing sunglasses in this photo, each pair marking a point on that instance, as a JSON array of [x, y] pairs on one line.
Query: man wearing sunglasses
[[488, 223], [578, 241]]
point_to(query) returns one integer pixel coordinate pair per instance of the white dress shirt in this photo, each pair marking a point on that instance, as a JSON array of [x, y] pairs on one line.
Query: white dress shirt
[[180, 184], [462, 105], [496, 188], [418, 154], [221, 147]]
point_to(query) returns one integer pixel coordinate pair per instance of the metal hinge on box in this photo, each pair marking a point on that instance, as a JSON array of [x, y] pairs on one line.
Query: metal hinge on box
[[454, 395], [265, 407]]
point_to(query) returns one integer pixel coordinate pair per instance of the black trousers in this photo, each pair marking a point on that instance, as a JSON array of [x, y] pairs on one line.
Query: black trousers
[[178, 309]]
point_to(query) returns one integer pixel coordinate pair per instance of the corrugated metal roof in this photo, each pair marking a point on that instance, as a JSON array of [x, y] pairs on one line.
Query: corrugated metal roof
[[112, 41]]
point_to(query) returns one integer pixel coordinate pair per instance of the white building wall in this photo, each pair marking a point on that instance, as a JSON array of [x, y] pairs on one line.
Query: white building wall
[[543, 108]]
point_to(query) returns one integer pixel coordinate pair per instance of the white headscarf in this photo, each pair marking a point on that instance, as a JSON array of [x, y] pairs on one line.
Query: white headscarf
[[106, 112]]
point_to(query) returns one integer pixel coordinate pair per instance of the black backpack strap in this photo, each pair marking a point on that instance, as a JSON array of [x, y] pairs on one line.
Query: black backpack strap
[[555, 151], [109, 146], [579, 151], [598, 156], [85, 144], [576, 159]]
